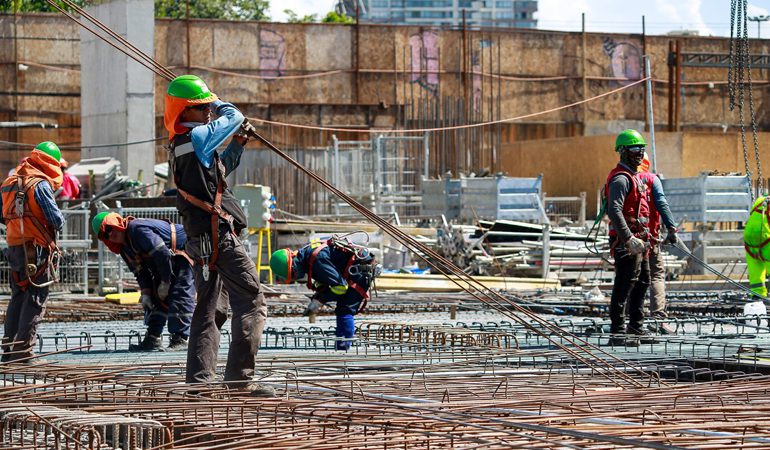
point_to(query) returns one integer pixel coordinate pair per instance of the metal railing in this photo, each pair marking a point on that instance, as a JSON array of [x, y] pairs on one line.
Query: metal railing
[[74, 242], [572, 209]]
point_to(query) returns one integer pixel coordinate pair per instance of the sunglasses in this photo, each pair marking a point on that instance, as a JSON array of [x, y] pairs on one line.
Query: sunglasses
[[201, 107], [635, 149]]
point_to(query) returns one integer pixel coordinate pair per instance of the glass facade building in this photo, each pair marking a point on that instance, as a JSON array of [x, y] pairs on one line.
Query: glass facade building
[[478, 13]]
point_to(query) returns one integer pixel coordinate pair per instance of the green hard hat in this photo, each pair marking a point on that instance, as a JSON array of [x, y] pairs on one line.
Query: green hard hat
[[96, 223], [628, 138], [280, 263], [190, 87], [50, 149]]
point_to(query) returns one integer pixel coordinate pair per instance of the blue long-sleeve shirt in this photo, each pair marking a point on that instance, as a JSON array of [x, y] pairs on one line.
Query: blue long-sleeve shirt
[[147, 250], [45, 198], [206, 138], [662, 204]]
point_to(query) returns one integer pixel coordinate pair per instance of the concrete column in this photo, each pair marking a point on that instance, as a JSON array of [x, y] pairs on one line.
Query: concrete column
[[117, 93]]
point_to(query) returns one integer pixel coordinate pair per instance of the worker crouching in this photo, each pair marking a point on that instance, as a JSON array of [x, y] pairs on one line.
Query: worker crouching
[[756, 236], [32, 220], [337, 271], [154, 251]]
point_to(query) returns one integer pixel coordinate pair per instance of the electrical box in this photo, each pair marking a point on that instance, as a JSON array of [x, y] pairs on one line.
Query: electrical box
[[258, 204]]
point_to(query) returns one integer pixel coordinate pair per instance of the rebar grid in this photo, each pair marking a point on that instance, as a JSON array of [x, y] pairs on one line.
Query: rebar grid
[[441, 399]]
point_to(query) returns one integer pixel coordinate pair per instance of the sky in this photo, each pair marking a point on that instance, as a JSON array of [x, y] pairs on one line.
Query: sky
[[709, 17]]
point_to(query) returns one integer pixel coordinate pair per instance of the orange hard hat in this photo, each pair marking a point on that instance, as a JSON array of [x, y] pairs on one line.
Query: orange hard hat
[[645, 165]]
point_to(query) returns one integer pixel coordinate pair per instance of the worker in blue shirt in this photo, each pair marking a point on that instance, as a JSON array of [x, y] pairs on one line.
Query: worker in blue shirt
[[337, 271], [198, 124], [154, 251]]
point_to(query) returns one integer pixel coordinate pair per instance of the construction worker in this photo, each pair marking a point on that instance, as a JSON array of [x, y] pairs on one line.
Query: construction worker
[[154, 251], [628, 200], [660, 213], [32, 220], [70, 188], [213, 219], [337, 271], [756, 236]]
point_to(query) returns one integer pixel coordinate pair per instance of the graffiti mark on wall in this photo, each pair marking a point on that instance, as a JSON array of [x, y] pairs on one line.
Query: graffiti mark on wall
[[272, 49], [625, 60], [476, 67], [424, 60]]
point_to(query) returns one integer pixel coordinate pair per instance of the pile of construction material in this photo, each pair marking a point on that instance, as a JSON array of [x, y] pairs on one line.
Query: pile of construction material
[[511, 248]]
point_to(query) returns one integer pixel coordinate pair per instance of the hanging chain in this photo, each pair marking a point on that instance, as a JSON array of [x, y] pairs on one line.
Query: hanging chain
[[739, 77]]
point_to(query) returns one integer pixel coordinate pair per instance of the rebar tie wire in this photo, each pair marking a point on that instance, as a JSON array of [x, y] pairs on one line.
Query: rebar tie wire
[[583, 351]]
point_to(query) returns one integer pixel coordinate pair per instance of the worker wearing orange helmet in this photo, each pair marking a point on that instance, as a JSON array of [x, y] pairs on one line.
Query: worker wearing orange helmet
[[660, 214], [199, 123]]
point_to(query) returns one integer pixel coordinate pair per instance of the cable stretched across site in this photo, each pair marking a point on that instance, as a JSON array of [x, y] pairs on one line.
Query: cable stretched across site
[[24, 145]]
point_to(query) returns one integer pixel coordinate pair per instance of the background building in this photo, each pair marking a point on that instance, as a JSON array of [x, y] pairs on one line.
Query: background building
[[478, 13]]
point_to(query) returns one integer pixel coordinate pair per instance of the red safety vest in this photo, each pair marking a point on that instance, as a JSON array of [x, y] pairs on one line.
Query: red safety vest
[[636, 207], [655, 220]]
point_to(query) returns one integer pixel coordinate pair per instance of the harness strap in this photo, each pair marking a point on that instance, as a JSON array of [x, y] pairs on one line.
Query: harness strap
[[174, 250], [214, 209], [758, 254], [310, 265]]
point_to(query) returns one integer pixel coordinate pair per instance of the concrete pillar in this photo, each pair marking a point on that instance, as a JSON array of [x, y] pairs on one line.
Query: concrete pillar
[[117, 93]]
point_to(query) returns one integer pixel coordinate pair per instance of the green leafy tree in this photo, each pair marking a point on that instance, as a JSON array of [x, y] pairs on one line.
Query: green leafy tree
[[214, 9], [35, 5], [333, 17], [174, 9], [292, 17]]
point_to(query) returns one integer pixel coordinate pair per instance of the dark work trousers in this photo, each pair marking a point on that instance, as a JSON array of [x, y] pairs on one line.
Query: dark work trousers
[[177, 309], [235, 282], [26, 308], [632, 278]]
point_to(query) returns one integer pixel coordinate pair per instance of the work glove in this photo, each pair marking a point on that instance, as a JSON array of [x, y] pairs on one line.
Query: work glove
[[671, 237], [312, 307], [163, 288], [147, 302], [635, 246], [247, 129]]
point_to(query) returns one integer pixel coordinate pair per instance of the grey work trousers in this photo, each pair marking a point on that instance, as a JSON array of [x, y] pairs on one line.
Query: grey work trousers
[[26, 308], [234, 281], [657, 283]]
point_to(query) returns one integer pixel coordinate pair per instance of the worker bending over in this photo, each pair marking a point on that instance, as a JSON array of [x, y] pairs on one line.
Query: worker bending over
[[32, 220], [337, 271], [154, 252]]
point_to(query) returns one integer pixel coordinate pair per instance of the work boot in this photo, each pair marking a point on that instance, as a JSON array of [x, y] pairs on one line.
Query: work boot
[[177, 342], [642, 335], [254, 388], [622, 341], [665, 328], [150, 343]]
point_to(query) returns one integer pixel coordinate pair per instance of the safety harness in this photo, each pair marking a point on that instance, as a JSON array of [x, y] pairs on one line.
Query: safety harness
[[19, 212], [216, 211], [637, 224], [360, 262]]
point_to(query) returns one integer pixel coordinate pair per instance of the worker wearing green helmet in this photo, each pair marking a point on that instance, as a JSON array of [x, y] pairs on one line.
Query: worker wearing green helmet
[[32, 220], [628, 208], [213, 218]]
